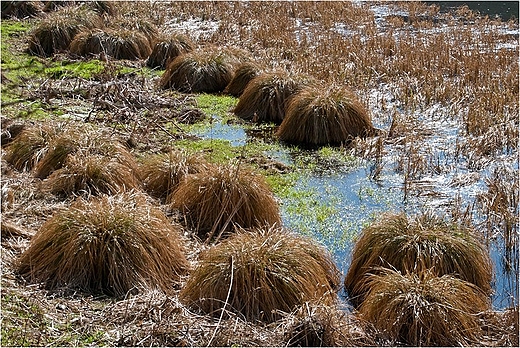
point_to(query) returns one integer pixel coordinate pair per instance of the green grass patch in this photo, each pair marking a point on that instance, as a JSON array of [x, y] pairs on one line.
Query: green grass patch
[[65, 69], [219, 105]]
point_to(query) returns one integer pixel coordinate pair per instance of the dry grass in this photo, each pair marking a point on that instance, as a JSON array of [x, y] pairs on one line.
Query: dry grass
[[319, 325], [207, 70], [55, 33], [167, 49], [135, 22], [243, 75], [265, 97], [21, 9], [116, 43], [29, 146], [424, 309], [260, 274], [216, 201], [162, 173], [111, 245], [415, 245], [324, 116]]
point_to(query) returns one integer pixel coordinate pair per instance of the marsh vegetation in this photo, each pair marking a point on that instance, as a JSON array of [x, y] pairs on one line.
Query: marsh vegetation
[[258, 173]]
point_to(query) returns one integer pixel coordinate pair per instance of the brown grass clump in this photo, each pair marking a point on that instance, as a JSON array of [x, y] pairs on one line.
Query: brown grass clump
[[21, 9], [217, 200], [319, 325], [321, 116], [134, 23], [261, 273], [116, 43], [29, 146], [162, 173], [265, 97], [56, 32], [110, 245], [206, 70], [106, 168], [167, 49], [424, 309], [413, 246], [243, 75]]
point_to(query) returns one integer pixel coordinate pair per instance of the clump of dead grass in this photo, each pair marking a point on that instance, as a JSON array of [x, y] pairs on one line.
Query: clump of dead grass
[[424, 309], [167, 49], [324, 116], [243, 75], [116, 43], [415, 245], [21, 9], [265, 97], [56, 32], [162, 173], [261, 273], [217, 200], [111, 245], [207, 70]]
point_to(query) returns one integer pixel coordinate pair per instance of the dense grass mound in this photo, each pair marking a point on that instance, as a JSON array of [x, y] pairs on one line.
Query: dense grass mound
[[265, 97], [216, 201], [109, 245], [207, 70], [162, 173], [167, 49], [116, 43], [56, 32], [424, 309], [27, 148], [260, 272], [133, 22], [320, 116], [243, 75], [21, 9], [413, 246], [103, 168]]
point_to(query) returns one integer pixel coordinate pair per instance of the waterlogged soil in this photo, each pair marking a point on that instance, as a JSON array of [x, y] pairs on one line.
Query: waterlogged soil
[[329, 193]]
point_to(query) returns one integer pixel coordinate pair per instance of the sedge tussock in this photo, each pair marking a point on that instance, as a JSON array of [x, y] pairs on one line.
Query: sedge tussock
[[111, 245], [21, 9], [217, 200], [116, 43], [56, 32], [207, 70], [243, 75], [162, 173], [424, 309], [167, 49], [260, 273], [320, 116], [265, 97], [415, 245]]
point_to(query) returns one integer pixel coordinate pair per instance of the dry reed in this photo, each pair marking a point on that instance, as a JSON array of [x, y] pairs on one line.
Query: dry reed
[[261, 273], [111, 245], [217, 200], [424, 309], [415, 245], [321, 116]]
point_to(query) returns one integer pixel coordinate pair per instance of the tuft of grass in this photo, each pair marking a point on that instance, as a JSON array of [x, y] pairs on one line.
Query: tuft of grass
[[21, 9], [162, 173], [424, 309], [111, 245], [321, 116], [260, 273], [56, 31], [166, 49], [117, 43], [414, 246], [207, 70], [243, 75], [224, 197], [265, 97]]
